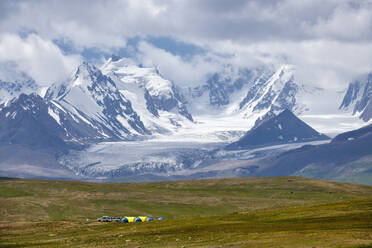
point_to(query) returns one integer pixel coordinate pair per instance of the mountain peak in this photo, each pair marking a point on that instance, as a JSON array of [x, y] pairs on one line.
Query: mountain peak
[[115, 58], [286, 114], [25, 100], [287, 67], [283, 128], [87, 75], [86, 68], [117, 62]]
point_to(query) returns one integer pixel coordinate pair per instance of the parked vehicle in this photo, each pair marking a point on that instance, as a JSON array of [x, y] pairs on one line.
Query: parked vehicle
[[105, 219], [116, 219], [127, 219]]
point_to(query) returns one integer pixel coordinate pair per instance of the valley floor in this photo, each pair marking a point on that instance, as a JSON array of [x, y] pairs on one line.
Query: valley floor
[[240, 212]]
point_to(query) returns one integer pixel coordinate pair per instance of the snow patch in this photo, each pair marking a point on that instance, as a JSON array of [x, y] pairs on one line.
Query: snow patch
[[13, 115], [54, 115]]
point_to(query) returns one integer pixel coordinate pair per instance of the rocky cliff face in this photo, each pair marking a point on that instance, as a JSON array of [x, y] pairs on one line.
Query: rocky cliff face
[[358, 98], [96, 98], [31, 121]]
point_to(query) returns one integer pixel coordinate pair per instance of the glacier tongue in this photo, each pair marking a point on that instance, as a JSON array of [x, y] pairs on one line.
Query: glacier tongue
[[117, 159]]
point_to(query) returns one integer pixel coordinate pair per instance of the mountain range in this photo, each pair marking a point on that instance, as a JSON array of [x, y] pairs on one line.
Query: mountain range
[[126, 101], [115, 120]]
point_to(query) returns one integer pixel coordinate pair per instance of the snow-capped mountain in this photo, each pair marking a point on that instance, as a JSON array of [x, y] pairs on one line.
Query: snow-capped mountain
[[96, 100], [280, 91], [255, 90], [156, 100], [224, 91], [14, 82], [244, 96], [124, 100], [358, 98]]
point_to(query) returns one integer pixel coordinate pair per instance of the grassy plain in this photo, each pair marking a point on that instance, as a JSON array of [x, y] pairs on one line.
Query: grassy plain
[[239, 212]]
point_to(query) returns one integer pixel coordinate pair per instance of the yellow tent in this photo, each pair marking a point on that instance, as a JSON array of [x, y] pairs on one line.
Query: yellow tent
[[130, 219], [143, 218]]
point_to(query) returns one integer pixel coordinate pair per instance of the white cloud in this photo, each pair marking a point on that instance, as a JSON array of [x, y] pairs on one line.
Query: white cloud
[[39, 58], [175, 68], [346, 22], [107, 24], [86, 23], [328, 40], [323, 63]]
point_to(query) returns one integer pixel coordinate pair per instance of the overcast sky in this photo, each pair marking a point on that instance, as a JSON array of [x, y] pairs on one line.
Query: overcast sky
[[329, 41]]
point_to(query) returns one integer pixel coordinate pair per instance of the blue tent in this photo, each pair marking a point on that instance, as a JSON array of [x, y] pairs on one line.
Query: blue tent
[[124, 220], [161, 218], [138, 219], [149, 219]]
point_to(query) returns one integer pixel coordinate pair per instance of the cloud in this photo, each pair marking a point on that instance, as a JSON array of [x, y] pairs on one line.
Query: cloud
[[41, 59], [328, 40], [323, 63], [185, 73], [102, 24], [347, 22], [108, 23]]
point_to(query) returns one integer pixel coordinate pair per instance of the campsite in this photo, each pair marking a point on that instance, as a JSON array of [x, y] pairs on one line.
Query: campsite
[[237, 212], [127, 219]]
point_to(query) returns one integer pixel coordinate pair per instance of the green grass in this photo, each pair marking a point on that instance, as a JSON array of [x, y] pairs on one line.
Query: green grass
[[240, 212], [13, 192]]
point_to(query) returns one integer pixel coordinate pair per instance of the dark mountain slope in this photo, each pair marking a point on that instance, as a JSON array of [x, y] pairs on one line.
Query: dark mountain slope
[[281, 129], [355, 134], [25, 121], [321, 160], [31, 121]]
